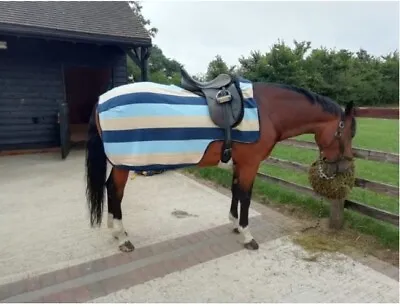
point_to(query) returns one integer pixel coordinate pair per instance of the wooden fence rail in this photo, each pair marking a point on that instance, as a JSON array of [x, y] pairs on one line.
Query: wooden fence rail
[[359, 153], [360, 182], [337, 207]]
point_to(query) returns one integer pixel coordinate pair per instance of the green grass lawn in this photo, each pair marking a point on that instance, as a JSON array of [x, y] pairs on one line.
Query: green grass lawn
[[376, 134]]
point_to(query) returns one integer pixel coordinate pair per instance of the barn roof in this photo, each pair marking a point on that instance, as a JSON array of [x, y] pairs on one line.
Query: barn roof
[[90, 21]]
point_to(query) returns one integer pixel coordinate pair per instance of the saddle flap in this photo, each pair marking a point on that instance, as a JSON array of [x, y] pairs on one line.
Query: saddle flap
[[228, 114]]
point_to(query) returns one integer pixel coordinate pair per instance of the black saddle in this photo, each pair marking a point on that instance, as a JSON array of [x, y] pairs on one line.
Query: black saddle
[[225, 104]]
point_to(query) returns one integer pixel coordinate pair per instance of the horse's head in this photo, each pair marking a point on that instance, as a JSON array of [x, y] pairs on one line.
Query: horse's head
[[335, 142]]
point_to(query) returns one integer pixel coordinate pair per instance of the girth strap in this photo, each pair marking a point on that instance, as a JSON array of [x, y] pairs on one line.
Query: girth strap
[[226, 153]]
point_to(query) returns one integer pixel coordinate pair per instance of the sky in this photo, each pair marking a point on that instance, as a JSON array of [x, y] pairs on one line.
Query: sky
[[194, 32]]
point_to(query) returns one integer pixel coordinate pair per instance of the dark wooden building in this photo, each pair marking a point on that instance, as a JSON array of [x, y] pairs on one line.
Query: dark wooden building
[[56, 58]]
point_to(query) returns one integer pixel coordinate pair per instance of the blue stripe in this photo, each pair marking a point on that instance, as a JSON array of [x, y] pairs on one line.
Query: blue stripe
[[243, 80], [154, 98], [141, 97], [155, 109], [250, 103], [163, 134], [156, 147]]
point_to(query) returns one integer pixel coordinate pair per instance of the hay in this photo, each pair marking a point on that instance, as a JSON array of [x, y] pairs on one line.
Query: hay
[[336, 188]]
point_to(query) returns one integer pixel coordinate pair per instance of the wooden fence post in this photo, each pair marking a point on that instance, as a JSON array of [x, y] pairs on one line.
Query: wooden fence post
[[336, 219]]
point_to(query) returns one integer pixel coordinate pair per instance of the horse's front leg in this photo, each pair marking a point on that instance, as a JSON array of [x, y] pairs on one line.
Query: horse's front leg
[[248, 240], [233, 212], [115, 191]]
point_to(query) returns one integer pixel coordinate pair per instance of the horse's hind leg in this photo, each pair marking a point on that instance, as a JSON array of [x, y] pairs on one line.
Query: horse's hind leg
[[115, 188], [233, 212], [110, 215]]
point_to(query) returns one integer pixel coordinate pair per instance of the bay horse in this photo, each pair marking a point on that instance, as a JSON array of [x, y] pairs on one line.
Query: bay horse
[[284, 111]]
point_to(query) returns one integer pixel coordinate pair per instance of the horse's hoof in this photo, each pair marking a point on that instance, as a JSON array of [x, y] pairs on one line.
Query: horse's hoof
[[252, 245], [235, 230], [126, 247]]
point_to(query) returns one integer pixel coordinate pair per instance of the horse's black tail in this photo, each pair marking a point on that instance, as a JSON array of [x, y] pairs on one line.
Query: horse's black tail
[[96, 169]]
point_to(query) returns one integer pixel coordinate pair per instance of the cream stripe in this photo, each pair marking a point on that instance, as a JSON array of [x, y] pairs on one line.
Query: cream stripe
[[127, 123], [247, 93], [248, 125], [147, 159], [153, 88]]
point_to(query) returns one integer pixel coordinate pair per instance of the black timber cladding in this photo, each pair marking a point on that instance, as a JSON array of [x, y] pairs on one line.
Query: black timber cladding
[[32, 87], [42, 39]]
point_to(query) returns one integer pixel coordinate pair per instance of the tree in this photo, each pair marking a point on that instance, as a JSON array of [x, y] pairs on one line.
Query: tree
[[161, 69], [218, 66], [137, 10], [342, 75]]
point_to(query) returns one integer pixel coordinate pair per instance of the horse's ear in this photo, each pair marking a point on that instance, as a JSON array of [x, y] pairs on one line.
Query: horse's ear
[[349, 109]]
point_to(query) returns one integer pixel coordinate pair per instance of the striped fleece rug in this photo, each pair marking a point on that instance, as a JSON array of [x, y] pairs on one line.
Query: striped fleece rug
[[148, 126]]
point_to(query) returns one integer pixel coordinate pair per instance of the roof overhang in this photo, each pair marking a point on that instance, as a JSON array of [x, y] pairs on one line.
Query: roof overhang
[[76, 37]]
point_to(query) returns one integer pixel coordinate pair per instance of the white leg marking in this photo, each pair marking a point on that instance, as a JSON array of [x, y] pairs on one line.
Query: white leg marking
[[246, 234], [110, 223], [234, 220], [120, 232]]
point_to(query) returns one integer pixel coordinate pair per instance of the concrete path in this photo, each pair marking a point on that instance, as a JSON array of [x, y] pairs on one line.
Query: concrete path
[[185, 249], [277, 273]]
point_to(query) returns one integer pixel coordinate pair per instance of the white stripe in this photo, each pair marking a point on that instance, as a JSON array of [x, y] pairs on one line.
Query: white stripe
[[156, 88], [149, 87]]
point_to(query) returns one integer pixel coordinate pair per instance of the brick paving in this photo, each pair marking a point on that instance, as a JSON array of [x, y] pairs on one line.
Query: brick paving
[[100, 277]]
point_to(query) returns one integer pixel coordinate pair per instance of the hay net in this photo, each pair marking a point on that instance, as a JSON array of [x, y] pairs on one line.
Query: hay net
[[337, 186]]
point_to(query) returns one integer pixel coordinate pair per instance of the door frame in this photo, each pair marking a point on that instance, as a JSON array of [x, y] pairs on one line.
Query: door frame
[[63, 115]]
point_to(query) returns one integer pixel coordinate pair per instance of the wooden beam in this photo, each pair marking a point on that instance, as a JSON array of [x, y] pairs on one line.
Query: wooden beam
[[360, 153], [133, 56], [386, 113], [16, 152], [287, 184], [147, 53], [377, 187], [375, 213], [144, 66], [286, 164], [140, 56]]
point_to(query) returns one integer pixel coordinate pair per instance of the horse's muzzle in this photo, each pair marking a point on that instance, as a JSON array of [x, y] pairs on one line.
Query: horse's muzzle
[[337, 167]]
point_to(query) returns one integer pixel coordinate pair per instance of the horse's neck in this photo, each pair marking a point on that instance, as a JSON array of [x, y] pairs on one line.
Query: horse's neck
[[298, 122]]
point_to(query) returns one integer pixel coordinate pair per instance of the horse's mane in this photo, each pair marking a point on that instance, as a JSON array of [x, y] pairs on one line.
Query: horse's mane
[[326, 103]]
